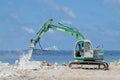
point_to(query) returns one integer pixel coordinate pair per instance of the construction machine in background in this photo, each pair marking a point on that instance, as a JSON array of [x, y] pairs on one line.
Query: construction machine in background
[[84, 53]]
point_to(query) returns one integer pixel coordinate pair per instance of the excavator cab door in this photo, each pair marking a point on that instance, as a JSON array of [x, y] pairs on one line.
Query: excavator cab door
[[83, 49], [79, 49], [88, 51]]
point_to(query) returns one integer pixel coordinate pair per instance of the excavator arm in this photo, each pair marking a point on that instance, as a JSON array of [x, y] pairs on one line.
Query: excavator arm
[[61, 27]]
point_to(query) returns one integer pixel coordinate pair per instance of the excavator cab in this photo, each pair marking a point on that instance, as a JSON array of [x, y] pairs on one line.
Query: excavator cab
[[83, 50]]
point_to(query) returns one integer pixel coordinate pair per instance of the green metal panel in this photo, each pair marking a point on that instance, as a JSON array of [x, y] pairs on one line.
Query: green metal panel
[[82, 59]]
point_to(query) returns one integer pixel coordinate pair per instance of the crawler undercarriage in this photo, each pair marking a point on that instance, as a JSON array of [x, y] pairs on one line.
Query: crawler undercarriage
[[89, 65]]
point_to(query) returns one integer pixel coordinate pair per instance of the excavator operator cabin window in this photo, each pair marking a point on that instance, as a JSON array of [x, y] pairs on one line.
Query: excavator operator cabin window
[[87, 46], [79, 46]]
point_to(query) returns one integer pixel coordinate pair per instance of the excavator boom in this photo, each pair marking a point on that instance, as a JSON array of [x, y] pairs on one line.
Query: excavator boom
[[62, 28]]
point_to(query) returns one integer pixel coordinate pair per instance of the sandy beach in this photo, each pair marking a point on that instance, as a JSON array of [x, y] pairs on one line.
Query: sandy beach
[[59, 73]]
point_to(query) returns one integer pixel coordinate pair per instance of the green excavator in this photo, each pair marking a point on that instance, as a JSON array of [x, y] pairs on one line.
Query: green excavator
[[84, 53]]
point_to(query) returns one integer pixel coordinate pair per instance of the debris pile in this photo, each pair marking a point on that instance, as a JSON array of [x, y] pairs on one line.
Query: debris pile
[[116, 63], [24, 63], [6, 70]]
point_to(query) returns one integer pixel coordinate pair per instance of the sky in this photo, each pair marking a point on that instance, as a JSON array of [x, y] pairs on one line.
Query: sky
[[97, 20]]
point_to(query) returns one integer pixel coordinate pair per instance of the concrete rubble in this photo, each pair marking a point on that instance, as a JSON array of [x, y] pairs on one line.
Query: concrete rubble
[[7, 70]]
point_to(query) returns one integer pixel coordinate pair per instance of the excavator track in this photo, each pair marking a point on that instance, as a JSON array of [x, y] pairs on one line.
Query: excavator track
[[95, 65]]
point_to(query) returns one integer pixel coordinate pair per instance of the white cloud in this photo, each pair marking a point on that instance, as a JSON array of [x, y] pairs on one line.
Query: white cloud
[[50, 31], [112, 1], [111, 33], [68, 11], [29, 30], [14, 16], [66, 21], [61, 8]]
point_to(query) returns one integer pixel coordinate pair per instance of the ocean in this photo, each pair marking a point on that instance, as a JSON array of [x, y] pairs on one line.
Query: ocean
[[59, 56]]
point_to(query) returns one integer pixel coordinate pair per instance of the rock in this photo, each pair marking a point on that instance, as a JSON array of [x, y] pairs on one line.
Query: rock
[[45, 63]]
